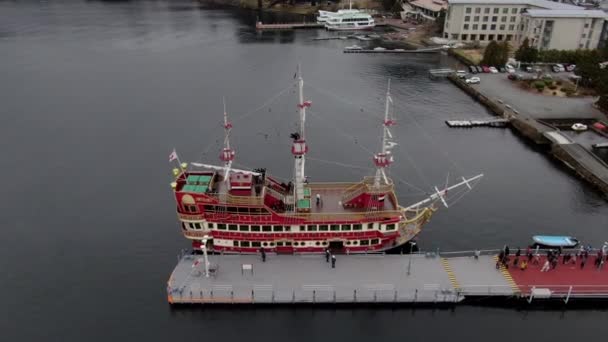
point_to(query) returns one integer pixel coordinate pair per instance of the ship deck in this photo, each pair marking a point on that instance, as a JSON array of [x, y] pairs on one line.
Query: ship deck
[[331, 198]]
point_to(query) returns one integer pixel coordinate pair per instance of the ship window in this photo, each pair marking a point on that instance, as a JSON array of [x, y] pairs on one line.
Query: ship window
[[209, 208], [364, 242], [210, 225], [232, 227], [221, 226], [317, 243], [334, 227], [244, 243], [191, 225], [323, 228], [288, 243], [312, 228], [243, 210], [255, 228], [183, 225], [235, 243], [374, 241], [370, 226], [287, 228], [355, 242], [232, 209], [255, 244], [264, 244], [271, 244], [280, 244], [193, 208], [266, 228], [277, 228], [244, 228], [346, 227], [348, 243], [197, 226], [325, 243], [302, 228], [296, 244], [390, 226], [186, 208], [357, 227]]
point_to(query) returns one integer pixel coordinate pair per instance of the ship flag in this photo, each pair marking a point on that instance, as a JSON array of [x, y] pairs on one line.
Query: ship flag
[[173, 156]]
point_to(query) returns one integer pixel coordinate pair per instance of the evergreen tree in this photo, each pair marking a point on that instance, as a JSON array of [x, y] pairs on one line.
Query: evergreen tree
[[525, 53], [440, 21], [491, 54]]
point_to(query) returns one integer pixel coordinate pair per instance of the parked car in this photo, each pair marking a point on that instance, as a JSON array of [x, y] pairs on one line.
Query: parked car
[[479, 69], [461, 74], [473, 69], [570, 67], [473, 80], [558, 68], [502, 69], [493, 70], [485, 69], [509, 68]]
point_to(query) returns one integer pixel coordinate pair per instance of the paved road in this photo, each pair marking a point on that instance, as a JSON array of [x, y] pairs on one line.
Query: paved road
[[497, 86], [587, 160]]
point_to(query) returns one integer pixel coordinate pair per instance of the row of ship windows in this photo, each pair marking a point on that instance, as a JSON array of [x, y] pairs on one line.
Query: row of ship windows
[[308, 228], [236, 243]]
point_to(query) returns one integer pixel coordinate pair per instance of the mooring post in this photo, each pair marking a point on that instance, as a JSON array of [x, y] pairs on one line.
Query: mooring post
[[568, 296]]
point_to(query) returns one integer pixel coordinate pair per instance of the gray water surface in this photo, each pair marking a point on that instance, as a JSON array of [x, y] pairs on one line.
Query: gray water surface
[[96, 94]]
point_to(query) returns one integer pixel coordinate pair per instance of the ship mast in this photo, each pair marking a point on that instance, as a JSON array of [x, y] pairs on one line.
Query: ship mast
[[299, 147], [227, 155], [385, 158]]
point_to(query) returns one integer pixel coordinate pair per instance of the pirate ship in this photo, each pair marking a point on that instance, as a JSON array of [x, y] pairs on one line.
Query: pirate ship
[[225, 209]]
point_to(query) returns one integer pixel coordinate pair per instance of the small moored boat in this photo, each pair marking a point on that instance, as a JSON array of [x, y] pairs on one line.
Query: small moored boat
[[555, 240]]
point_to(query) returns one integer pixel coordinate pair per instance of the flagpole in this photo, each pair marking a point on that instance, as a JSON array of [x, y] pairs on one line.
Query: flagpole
[[179, 162]]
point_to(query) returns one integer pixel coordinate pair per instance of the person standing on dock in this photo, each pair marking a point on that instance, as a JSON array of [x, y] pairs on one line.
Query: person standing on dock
[[327, 254], [523, 265], [546, 266], [506, 251], [263, 253], [333, 261]]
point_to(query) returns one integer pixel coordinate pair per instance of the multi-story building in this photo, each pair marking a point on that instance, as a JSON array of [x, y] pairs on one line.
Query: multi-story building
[[423, 9], [563, 29], [551, 25]]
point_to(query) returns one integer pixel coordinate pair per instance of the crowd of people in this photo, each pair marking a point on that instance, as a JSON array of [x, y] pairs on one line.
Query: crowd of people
[[553, 258]]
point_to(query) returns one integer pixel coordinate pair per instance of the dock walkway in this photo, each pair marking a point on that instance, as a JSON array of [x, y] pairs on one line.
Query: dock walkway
[[367, 279]]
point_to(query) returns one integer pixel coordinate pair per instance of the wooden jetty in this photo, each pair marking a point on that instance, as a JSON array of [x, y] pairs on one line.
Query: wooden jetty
[[445, 72], [287, 26], [424, 278], [429, 50], [498, 123], [291, 26]]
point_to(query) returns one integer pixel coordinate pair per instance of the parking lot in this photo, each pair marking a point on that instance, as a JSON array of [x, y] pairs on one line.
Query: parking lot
[[498, 86]]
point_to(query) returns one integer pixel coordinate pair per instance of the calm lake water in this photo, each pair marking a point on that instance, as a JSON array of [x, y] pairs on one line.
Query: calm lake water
[[95, 94]]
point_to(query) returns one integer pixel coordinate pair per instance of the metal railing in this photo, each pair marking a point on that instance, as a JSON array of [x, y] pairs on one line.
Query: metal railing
[[313, 294]]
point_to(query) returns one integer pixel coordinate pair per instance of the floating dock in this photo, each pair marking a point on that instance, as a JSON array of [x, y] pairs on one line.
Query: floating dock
[[498, 123], [291, 26], [426, 279], [429, 50]]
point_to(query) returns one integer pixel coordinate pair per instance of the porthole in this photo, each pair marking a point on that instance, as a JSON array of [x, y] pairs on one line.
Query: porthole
[[264, 244], [317, 243]]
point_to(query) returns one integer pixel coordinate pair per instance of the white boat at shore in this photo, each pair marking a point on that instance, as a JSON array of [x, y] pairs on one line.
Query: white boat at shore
[[346, 19]]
